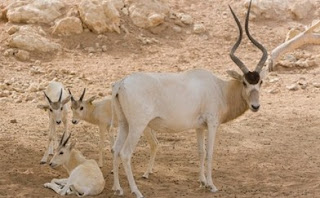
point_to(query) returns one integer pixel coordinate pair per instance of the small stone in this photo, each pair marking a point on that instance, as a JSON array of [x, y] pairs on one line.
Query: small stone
[[33, 87], [23, 55], [104, 48], [199, 28], [274, 91], [186, 19], [91, 50], [125, 11], [290, 58], [293, 87], [177, 28], [316, 85], [18, 100], [13, 121], [13, 29], [303, 83], [10, 52], [273, 80]]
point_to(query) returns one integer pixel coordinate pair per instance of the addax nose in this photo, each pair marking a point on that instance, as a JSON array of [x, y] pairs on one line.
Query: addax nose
[[255, 107], [58, 122]]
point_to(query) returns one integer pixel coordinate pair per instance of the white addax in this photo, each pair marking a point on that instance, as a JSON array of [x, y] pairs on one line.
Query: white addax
[[195, 99], [85, 177], [56, 105], [100, 113]]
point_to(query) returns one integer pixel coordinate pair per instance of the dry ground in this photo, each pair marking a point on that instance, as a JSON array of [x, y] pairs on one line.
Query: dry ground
[[271, 153]]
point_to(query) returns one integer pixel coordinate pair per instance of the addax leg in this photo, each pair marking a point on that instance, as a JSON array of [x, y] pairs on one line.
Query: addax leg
[[49, 150], [102, 131], [212, 128], [201, 150], [126, 154], [153, 142], [120, 140]]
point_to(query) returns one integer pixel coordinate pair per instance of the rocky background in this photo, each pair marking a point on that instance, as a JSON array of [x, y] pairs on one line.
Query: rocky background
[[92, 43]]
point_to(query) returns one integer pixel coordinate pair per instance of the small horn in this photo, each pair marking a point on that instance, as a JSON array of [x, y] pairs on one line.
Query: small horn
[[72, 99], [81, 97], [62, 138], [235, 59], [256, 43], [66, 141], [47, 97], [60, 96]]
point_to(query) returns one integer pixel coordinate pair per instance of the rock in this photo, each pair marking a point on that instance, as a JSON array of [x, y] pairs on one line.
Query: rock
[[68, 26], [199, 28], [100, 16], [282, 9], [177, 29], [290, 58], [4, 94], [13, 121], [33, 87], [186, 18], [35, 11], [301, 9], [316, 84], [28, 38], [147, 14], [23, 55], [293, 87], [104, 48]]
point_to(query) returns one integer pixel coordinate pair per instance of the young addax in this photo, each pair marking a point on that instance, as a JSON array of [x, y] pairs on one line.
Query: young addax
[[100, 113], [56, 105], [85, 177], [195, 99]]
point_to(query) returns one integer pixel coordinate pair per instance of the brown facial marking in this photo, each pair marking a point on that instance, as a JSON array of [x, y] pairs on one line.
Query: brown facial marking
[[252, 77], [55, 105], [75, 105]]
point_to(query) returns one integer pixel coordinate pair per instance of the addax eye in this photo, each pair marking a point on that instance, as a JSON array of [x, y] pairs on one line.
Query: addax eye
[[61, 108], [244, 84], [50, 110], [61, 153], [81, 108]]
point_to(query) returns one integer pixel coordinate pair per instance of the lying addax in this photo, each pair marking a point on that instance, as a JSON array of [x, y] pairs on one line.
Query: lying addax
[[85, 176], [100, 114], [56, 99], [195, 99]]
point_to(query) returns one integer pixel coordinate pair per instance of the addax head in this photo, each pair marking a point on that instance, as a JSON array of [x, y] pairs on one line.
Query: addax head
[[62, 154], [251, 80], [80, 107], [55, 108]]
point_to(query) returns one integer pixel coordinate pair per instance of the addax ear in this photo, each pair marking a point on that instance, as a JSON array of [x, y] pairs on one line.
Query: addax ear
[[234, 74], [264, 72], [44, 107], [72, 145], [64, 101], [90, 100]]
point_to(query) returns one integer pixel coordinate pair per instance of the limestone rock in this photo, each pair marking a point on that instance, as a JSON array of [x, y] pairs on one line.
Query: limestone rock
[[35, 11], [293, 87], [68, 26], [186, 18], [282, 9], [147, 14], [30, 39], [23, 55], [100, 16]]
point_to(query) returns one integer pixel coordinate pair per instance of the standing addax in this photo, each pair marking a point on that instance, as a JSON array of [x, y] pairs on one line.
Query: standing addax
[[194, 99], [56, 98]]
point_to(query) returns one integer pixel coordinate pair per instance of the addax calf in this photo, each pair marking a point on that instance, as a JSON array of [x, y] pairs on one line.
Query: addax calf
[[85, 176], [56, 98]]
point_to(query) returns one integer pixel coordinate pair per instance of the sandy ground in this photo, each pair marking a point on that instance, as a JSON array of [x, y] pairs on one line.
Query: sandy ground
[[271, 153]]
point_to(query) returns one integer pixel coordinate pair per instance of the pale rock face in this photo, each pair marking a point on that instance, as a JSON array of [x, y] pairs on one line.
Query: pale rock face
[[68, 26], [146, 13], [30, 39], [35, 11], [282, 9], [100, 16]]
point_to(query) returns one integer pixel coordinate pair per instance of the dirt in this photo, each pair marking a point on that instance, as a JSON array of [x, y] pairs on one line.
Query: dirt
[[271, 153]]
